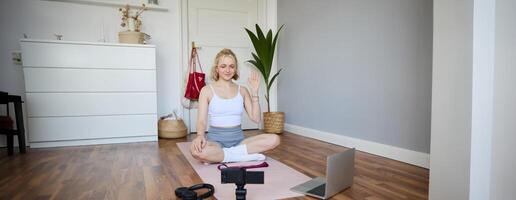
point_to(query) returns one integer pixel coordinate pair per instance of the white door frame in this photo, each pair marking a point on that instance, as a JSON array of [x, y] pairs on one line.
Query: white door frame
[[270, 13]]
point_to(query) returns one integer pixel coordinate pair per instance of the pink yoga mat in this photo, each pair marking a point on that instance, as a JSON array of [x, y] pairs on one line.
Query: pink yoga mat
[[279, 178]]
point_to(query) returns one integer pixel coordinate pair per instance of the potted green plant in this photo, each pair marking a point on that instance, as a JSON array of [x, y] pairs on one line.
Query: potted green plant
[[264, 46]]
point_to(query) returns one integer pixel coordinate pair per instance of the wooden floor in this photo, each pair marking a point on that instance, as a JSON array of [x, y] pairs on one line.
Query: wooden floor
[[152, 170]]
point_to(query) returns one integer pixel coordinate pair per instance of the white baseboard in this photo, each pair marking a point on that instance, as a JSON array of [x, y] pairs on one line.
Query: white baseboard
[[404, 155], [93, 141]]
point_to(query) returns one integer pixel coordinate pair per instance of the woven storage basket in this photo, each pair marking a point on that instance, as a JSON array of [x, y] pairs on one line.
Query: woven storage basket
[[273, 122], [175, 128], [131, 37]]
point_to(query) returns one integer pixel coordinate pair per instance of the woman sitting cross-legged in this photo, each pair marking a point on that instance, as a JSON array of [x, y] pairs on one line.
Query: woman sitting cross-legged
[[223, 102]]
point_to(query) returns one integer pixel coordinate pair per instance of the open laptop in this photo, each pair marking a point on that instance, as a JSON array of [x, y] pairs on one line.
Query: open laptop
[[340, 168]]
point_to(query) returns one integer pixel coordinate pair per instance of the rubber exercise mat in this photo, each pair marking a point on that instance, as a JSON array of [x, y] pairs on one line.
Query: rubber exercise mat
[[279, 178]]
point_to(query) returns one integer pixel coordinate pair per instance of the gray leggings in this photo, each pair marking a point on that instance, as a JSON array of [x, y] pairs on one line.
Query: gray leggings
[[226, 137]]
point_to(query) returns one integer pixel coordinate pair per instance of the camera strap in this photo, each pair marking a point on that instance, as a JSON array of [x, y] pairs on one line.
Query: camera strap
[[261, 165]]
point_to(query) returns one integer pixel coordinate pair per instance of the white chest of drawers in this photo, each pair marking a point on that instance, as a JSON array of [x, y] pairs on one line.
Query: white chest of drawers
[[81, 93]]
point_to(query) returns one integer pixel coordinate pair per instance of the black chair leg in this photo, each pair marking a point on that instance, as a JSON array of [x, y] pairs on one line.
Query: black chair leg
[[10, 144], [19, 126], [21, 143]]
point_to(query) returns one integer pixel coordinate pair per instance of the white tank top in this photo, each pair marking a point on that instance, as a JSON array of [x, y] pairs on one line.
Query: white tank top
[[225, 112]]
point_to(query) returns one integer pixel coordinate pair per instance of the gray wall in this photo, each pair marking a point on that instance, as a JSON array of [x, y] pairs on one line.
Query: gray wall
[[360, 68], [503, 177]]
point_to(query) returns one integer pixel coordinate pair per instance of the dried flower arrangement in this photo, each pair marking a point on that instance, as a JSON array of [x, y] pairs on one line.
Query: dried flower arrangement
[[127, 17]]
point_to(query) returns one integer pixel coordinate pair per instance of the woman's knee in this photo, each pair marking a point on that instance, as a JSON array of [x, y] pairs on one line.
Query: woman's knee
[[273, 140]]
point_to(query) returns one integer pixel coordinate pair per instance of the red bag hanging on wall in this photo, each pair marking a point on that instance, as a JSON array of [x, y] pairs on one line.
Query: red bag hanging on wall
[[196, 80]]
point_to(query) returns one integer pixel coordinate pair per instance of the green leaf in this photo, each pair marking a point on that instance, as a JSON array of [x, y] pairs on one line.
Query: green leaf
[[263, 50], [274, 78], [259, 32], [269, 47], [269, 39], [260, 67], [254, 39], [276, 39]]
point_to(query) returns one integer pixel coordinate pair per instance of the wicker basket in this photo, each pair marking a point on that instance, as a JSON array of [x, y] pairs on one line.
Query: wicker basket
[[273, 122], [171, 128], [131, 37]]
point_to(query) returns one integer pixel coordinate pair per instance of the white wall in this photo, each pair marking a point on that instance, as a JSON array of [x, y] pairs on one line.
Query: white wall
[[462, 99], [473, 111], [503, 177], [79, 22], [451, 100]]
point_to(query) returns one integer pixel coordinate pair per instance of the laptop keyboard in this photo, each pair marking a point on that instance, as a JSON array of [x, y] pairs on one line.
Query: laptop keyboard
[[319, 190]]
